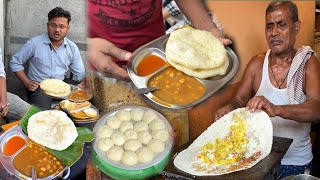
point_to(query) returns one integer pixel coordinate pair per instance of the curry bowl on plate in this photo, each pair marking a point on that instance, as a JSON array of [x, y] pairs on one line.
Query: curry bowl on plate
[[132, 142], [45, 140], [177, 90], [19, 154], [79, 95]]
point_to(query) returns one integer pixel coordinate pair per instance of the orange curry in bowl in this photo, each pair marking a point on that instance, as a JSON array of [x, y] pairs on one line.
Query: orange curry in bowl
[[46, 164], [79, 95], [175, 87], [149, 64], [13, 145]]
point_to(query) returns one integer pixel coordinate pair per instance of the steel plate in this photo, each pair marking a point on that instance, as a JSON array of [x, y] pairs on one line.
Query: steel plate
[[7, 161], [157, 47]]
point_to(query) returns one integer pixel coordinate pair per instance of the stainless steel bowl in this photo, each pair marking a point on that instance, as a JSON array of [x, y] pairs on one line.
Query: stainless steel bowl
[[304, 177]]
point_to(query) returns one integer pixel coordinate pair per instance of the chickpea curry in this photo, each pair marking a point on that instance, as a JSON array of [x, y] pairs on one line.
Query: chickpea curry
[[46, 164], [175, 87]]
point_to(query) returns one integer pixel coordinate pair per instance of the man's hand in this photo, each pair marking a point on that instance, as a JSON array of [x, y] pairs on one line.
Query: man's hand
[[83, 83], [32, 85], [4, 109], [224, 110], [101, 54], [259, 103], [218, 34]]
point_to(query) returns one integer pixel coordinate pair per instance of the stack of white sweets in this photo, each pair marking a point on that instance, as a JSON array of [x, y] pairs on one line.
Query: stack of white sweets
[[132, 137]]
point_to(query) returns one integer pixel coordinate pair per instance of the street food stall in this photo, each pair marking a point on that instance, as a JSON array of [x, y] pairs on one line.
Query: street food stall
[[140, 135]]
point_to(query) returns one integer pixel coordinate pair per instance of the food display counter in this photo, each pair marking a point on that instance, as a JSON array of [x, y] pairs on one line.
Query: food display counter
[[266, 169]]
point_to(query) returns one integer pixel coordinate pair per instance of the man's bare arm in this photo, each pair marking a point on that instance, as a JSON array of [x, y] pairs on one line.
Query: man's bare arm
[[197, 14], [3, 89], [30, 85], [308, 111], [245, 90]]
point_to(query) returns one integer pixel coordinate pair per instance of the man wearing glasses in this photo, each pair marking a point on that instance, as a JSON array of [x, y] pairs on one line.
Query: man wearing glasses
[[50, 55]]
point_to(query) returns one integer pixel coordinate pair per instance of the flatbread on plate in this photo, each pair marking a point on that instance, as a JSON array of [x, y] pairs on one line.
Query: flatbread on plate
[[202, 73], [52, 129], [196, 52], [55, 87], [235, 142]]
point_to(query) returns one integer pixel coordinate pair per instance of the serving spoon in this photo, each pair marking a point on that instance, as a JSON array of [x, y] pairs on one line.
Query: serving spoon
[[146, 90], [34, 173]]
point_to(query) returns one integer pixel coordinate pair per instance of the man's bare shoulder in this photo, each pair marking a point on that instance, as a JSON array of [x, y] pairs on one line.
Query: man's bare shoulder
[[313, 64], [256, 61]]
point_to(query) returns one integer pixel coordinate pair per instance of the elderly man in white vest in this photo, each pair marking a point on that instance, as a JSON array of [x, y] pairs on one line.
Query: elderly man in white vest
[[283, 82]]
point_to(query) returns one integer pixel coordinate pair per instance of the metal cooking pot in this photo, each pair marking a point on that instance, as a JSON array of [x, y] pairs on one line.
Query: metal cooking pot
[[304, 177]]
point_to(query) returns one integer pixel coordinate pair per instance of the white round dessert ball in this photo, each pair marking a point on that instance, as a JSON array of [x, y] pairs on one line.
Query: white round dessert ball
[[104, 131], [129, 158], [123, 115], [140, 126], [132, 145], [130, 134], [115, 153], [104, 144], [157, 124], [144, 137], [148, 116], [156, 146], [145, 155], [118, 138], [125, 125], [162, 135], [113, 122], [136, 114]]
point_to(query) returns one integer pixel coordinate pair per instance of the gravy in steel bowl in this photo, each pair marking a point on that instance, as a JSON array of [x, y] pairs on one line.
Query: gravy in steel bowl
[[46, 164]]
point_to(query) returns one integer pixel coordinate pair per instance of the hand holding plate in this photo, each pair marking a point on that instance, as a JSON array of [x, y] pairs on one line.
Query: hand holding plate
[[101, 55]]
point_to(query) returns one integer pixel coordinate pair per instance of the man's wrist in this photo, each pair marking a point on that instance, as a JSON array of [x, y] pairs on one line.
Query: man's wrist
[[277, 110], [27, 84], [236, 103]]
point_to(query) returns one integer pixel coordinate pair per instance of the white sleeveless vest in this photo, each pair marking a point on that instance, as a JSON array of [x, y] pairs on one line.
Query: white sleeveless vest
[[300, 152]]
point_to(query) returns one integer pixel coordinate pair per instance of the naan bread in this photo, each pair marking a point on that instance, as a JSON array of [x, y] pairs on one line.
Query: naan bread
[[197, 53], [255, 145], [55, 87], [52, 129]]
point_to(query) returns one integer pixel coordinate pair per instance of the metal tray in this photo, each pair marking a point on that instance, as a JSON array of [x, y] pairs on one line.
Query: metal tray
[[7, 161], [157, 47]]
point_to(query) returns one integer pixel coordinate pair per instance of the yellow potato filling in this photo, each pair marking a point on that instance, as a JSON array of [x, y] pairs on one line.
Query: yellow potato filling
[[229, 149]]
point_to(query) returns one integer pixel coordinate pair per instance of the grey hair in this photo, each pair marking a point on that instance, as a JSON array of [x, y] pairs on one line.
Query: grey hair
[[274, 5]]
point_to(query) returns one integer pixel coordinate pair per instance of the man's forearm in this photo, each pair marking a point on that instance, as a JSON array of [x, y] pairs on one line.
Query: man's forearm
[[304, 113], [23, 78], [3, 90], [197, 14]]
